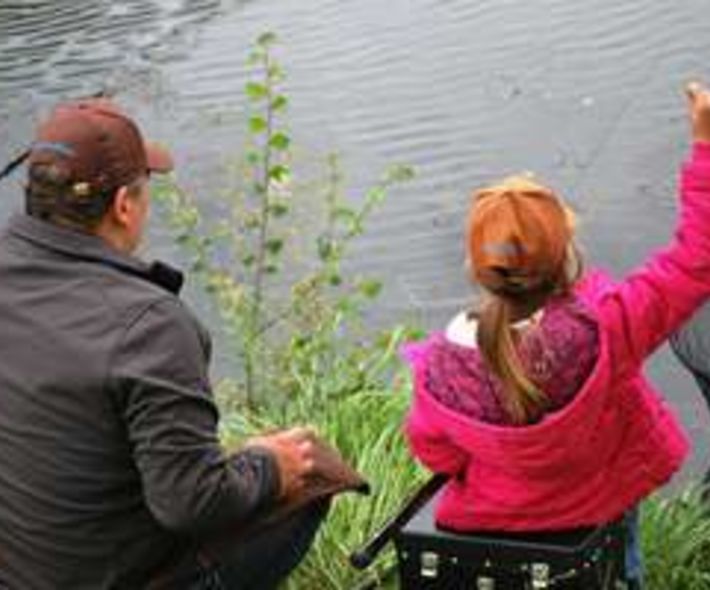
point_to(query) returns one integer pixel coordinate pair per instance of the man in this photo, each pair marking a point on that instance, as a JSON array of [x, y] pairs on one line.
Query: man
[[111, 474]]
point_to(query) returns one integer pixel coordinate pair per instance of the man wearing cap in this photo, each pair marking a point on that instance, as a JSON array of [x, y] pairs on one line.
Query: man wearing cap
[[111, 474]]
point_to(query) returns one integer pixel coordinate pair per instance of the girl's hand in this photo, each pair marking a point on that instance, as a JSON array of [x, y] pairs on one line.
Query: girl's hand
[[699, 111]]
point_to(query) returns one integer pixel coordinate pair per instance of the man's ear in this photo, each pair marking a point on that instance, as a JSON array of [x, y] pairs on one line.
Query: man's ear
[[121, 207]]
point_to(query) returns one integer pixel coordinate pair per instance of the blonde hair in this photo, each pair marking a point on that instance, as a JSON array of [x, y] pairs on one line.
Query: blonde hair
[[542, 261]]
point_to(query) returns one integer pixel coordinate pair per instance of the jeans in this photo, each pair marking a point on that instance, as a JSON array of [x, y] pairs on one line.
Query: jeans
[[633, 554], [260, 562]]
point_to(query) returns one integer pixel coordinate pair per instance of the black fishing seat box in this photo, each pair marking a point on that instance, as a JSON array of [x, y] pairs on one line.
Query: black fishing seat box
[[430, 558]]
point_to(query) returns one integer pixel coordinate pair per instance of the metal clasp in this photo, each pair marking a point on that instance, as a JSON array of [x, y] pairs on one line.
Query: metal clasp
[[429, 564], [540, 576]]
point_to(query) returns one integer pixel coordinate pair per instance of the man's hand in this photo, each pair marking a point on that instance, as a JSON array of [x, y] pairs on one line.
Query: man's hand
[[699, 111], [294, 451]]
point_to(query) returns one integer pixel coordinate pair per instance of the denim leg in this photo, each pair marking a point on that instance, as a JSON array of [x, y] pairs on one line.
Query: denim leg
[[260, 561], [633, 554], [266, 559]]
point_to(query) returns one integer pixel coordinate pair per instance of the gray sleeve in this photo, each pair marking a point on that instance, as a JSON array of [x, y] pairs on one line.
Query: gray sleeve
[[159, 377], [692, 342]]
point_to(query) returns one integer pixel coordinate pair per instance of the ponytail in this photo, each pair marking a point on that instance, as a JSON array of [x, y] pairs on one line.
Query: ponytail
[[520, 243], [496, 341]]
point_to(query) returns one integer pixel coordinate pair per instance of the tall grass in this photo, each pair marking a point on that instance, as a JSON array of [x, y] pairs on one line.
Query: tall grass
[[675, 535], [366, 428]]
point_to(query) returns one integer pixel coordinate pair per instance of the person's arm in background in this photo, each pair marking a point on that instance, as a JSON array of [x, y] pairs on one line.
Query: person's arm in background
[[691, 344], [159, 380]]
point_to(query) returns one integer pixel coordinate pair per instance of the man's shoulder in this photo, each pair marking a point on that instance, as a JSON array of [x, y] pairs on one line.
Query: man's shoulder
[[134, 299]]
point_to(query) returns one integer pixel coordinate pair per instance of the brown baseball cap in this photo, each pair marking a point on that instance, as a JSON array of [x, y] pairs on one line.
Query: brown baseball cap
[[98, 145], [518, 235]]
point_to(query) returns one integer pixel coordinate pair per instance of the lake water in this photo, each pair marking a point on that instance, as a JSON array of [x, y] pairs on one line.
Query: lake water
[[585, 94]]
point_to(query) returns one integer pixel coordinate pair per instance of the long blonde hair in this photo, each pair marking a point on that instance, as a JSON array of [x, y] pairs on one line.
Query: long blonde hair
[[521, 246]]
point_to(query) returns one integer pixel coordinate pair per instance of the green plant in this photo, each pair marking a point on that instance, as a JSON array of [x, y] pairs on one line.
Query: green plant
[[297, 332], [366, 427], [675, 535], [296, 324]]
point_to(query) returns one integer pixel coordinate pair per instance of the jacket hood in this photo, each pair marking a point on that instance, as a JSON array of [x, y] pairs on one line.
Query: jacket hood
[[545, 446]]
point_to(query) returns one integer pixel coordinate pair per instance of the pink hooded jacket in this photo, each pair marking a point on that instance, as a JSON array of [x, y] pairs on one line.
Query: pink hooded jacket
[[617, 440]]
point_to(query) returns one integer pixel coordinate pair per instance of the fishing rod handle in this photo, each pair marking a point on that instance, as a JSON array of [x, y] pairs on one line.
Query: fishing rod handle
[[363, 557]]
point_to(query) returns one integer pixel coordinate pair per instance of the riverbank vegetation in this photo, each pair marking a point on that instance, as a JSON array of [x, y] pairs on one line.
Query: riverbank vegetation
[[275, 266]]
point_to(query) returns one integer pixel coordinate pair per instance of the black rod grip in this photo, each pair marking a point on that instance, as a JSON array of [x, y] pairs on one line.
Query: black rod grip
[[365, 555]]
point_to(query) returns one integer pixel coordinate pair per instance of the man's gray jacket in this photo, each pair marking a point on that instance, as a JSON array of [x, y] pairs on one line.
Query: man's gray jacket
[[109, 460]]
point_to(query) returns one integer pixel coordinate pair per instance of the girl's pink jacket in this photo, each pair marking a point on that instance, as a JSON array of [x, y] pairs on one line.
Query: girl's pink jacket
[[617, 440]]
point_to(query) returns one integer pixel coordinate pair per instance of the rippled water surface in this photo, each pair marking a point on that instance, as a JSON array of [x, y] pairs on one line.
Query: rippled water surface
[[585, 94]]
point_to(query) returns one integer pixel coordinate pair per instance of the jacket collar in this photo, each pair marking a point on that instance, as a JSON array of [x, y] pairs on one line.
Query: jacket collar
[[87, 247]]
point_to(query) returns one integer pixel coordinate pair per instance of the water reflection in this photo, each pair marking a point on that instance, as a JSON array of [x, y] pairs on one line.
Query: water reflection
[[53, 48]]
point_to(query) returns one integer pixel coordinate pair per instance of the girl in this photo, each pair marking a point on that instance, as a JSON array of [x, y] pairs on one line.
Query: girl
[[536, 405]]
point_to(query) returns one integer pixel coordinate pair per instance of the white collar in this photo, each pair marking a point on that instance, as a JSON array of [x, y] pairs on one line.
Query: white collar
[[462, 329]]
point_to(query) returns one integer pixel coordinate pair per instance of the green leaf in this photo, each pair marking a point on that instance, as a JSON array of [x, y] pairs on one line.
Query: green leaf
[[274, 246], [278, 208], [271, 269], [255, 91], [279, 172], [253, 157], [280, 141], [265, 39], [162, 194], [344, 214], [279, 103], [355, 227], [300, 340], [370, 288], [257, 124], [251, 220], [248, 260], [188, 217], [326, 248], [275, 73], [400, 173], [335, 279], [255, 57], [376, 195]]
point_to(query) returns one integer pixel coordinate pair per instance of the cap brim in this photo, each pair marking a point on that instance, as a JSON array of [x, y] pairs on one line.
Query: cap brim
[[159, 158]]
